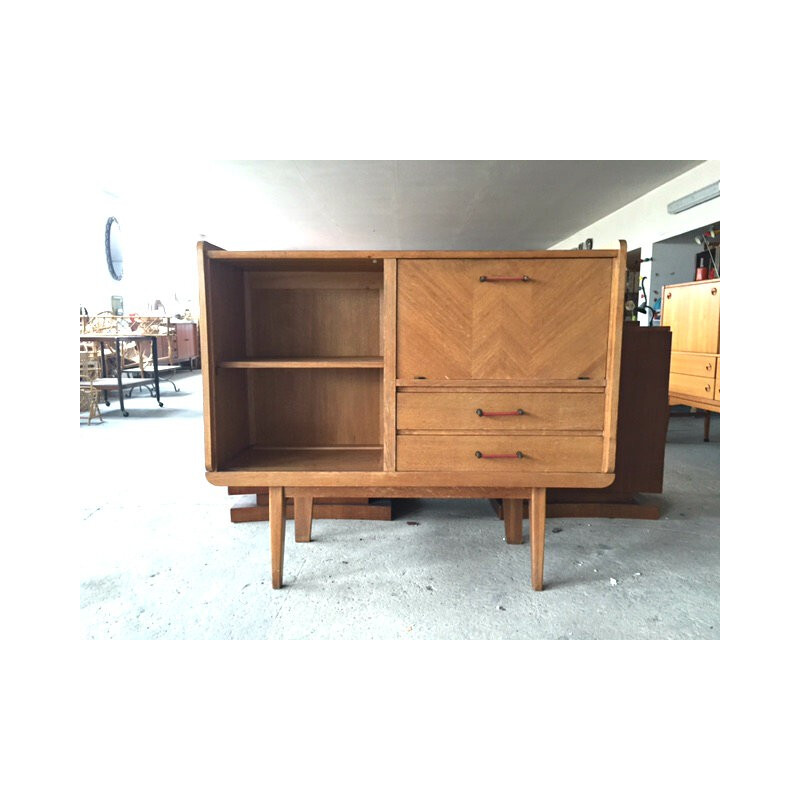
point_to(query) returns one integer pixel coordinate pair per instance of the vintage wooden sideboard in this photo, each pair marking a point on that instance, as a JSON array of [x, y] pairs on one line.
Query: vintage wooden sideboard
[[692, 312], [489, 374]]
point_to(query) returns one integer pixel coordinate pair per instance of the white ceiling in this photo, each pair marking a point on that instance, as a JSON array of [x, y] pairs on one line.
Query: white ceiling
[[392, 204]]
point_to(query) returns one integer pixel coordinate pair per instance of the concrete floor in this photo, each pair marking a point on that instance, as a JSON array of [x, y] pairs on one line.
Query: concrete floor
[[160, 559]]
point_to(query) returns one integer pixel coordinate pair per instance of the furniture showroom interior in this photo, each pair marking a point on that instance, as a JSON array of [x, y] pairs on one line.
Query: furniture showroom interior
[[359, 400]]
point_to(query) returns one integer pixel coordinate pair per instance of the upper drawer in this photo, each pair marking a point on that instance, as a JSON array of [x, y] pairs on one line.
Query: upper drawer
[[499, 411], [694, 364], [485, 319]]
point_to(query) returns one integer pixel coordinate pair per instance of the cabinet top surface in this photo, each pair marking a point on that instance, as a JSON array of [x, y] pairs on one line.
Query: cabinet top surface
[[708, 282], [242, 255]]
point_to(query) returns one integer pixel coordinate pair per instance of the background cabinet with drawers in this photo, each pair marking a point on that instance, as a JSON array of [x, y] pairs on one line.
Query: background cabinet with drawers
[[692, 313], [411, 374]]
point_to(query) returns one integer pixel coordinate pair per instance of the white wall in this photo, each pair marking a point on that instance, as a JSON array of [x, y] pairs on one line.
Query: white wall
[[672, 263], [646, 221], [158, 249]]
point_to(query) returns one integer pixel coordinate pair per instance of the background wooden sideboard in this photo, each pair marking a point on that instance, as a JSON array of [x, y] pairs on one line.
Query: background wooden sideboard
[[692, 312]]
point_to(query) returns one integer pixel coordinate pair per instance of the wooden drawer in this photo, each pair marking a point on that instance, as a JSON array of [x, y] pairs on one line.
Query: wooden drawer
[[698, 364], [691, 386], [430, 452], [472, 411]]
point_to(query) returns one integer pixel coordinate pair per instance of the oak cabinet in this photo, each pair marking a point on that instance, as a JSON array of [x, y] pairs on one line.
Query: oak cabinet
[[411, 374], [692, 313]]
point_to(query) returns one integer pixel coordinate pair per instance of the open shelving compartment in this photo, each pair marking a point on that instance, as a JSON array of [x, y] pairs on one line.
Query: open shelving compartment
[[298, 358]]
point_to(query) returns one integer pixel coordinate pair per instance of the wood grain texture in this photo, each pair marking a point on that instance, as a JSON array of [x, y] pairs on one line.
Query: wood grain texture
[[691, 386], [431, 453], [389, 363], [453, 326], [377, 510], [303, 509], [318, 357], [702, 365], [377, 483], [337, 407], [339, 321], [512, 519], [307, 459], [368, 259], [277, 533], [692, 312], [444, 410], [339, 362], [203, 250], [694, 401], [538, 510], [614, 356]]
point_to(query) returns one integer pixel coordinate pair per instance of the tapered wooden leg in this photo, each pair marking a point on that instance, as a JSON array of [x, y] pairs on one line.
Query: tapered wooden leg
[[707, 426], [303, 508], [512, 517], [277, 532], [538, 509]]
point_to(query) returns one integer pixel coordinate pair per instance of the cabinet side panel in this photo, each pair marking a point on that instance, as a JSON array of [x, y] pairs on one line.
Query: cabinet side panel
[[615, 322], [203, 249], [222, 329], [389, 321]]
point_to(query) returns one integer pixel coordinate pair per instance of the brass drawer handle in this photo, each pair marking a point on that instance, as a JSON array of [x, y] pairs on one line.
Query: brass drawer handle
[[713, 291], [490, 278], [708, 367], [478, 454], [481, 413], [708, 387], [669, 294]]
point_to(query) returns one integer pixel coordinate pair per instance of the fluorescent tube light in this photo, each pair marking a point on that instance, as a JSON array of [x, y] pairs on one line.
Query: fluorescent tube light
[[694, 199]]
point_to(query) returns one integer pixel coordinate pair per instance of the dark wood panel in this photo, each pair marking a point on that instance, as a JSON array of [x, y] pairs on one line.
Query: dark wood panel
[[643, 415]]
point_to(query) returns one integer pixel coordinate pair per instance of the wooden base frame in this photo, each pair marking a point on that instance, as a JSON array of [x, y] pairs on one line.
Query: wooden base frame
[[629, 506], [304, 505], [326, 508]]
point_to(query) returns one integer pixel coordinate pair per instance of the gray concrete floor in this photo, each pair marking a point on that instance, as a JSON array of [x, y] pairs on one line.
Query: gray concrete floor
[[160, 559]]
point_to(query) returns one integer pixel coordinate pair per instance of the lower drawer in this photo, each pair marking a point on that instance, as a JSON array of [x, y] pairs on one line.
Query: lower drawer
[[691, 385], [525, 453]]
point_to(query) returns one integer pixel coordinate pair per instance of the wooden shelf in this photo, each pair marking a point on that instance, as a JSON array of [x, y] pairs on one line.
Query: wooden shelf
[[370, 362], [311, 459]]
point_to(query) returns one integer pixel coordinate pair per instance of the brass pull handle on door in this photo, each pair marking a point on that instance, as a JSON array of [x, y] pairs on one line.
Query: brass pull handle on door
[[492, 278]]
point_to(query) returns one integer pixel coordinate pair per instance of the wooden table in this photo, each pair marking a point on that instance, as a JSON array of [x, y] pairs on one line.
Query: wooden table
[[108, 384]]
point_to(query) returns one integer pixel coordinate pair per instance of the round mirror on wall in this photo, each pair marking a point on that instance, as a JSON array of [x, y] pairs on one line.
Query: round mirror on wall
[[113, 249]]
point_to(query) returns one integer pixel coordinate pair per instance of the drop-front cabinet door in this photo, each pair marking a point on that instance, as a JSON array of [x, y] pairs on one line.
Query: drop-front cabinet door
[[691, 310], [503, 319]]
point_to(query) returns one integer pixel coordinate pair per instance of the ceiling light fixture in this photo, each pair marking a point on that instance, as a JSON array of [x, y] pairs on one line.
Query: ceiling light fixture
[[694, 199]]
